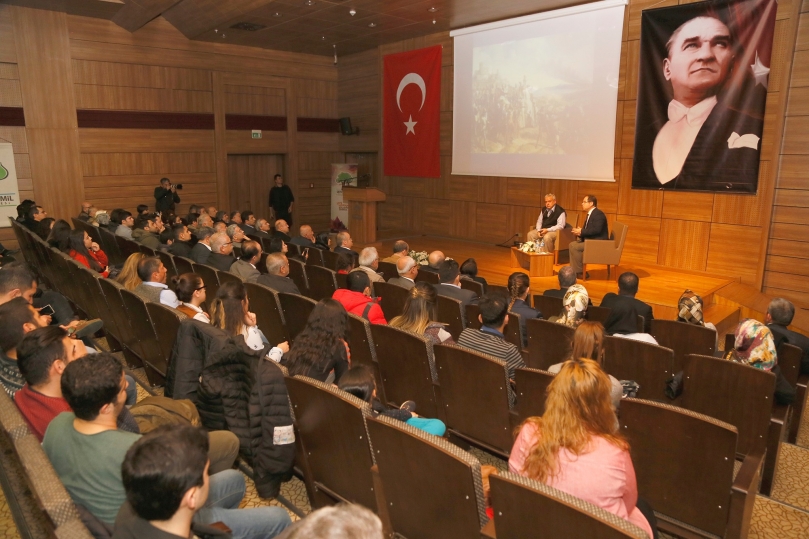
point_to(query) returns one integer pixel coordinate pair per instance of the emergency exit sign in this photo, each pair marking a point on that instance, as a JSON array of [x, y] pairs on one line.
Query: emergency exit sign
[[256, 133]]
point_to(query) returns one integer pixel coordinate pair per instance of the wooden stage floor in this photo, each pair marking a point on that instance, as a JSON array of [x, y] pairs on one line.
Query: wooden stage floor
[[660, 287]]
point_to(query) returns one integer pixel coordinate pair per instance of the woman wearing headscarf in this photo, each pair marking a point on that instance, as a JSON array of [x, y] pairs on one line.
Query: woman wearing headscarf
[[623, 322], [754, 346], [574, 306], [689, 310]]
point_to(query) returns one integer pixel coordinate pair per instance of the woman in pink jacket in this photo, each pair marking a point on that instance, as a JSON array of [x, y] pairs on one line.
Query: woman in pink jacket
[[576, 447]]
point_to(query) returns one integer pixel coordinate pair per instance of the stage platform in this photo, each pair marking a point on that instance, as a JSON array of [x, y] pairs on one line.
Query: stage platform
[[660, 287]]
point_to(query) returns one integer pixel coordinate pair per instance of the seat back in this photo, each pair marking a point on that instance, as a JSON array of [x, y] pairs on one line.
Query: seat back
[[548, 305], [513, 330], [165, 323], [331, 425], [684, 339], [392, 299], [227, 277], [330, 259], [687, 481], [476, 396], [597, 314], [127, 247], [297, 272], [648, 365], [407, 366], [435, 472], [789, 360], [363, 352], [293, 249], [532, 386], [450, 312], [111, 249], [548, 343], [322, 281], [342, 280], [731, 392], [315, 258], [522, 504], [210, 278], [145, 339], [269, 315], [296, 311], [387, 269], [472, 320], [474, 286], [183, 265], [168, 260], [428, 277], [148, 251], [122, 322], [92, 231]]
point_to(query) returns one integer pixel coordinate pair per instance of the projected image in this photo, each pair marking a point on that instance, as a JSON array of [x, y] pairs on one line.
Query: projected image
[[527, 96]]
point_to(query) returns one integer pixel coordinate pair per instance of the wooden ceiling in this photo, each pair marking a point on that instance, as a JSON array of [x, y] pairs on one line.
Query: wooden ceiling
[[308, 26]]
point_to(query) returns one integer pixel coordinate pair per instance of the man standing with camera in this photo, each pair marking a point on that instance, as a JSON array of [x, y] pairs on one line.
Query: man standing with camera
[[166, 196]]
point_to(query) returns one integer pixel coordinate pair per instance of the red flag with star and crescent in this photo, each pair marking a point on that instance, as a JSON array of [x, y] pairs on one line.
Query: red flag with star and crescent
[[412, 107]]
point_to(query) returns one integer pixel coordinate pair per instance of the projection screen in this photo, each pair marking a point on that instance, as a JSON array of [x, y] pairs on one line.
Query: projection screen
[[536, 96]]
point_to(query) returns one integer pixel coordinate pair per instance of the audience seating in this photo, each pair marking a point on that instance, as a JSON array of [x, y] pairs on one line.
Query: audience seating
[[474, 286], [392, 299], [387, 269], [148, 251], [145, 339], [548, 343], [330, 259], [165, 322], [297, 272], [262, 263], [605, 251], [227, 277], [168, 261], [450, 312], [331, 426], [597, 314], [363, 351], [296, 311], [430, 487], [522, 504], [210, 278], [114, 254], [184, 265], [476, 396], [548, 305], [427, 277], [407, 367], [126, 247], [322, 281], [532, 385], [742, 396], [121, 322], [341, 280], [684, 339], [37, 499], [92, 231], [264, 302], [512, 332], [472, 317], [789, 359], [315, 258], [292, 249], [647, 364]]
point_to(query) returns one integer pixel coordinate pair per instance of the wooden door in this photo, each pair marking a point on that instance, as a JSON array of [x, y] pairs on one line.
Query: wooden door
[[250, 178]]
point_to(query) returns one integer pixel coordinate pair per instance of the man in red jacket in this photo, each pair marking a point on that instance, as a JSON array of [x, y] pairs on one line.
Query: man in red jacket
[[357, 298]]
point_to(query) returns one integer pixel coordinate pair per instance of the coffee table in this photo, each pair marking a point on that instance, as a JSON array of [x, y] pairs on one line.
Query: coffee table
[[535, 264]]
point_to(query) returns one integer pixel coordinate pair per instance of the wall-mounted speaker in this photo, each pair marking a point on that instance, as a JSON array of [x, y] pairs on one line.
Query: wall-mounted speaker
[[345, 127]]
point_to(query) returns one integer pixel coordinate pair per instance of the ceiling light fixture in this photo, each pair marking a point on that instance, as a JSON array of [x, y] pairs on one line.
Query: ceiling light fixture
[[276, 14], [352, 11], [310, 2], [323, 38], [372, 25], [432, 9], [433, 21], [216, 30]]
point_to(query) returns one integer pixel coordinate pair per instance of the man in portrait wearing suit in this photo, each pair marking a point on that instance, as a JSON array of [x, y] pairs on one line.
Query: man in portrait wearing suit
[[450, 276], [595, 228], [705, 145]]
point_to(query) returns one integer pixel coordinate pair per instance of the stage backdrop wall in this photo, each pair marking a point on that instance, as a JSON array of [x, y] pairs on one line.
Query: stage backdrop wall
[[722, 234]]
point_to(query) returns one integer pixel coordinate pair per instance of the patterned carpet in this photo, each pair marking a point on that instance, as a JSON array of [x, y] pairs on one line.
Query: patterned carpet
[[786, 518]]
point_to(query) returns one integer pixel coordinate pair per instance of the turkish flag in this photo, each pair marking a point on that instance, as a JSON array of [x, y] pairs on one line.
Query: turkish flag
[[412, 119]]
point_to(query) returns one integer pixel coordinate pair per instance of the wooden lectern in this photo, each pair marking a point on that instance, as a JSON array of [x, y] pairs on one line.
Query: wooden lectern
[[362, 212]]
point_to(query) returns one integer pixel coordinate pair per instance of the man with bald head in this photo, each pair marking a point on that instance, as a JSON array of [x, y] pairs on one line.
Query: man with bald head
[[705, 145], [282, 230], [434, 260], [400, 250], [407, 269], [277, 276], [306, 238]]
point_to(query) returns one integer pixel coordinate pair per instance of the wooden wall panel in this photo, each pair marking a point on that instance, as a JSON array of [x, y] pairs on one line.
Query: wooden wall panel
[[730, 248], [142, 99], [642, 238], [262, 101], [8, 47], [145, 140], [684, 244]]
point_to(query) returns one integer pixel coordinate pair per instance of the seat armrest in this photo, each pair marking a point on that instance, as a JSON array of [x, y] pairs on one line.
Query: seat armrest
[[381, 502], [488, 531], [743, 496]]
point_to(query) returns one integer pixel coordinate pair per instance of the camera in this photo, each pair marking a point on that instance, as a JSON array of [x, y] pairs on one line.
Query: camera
[[178, 186]]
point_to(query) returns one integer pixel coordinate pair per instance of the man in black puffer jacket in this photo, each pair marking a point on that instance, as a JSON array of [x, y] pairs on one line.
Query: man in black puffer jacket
[[245, 393]]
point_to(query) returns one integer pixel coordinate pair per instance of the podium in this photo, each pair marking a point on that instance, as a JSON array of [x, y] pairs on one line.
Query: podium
[[362, 212]]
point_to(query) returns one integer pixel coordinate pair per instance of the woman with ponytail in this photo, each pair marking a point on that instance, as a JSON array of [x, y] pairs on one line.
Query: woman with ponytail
[[576, 446], [419, 315], [519, 288], [190, 290]]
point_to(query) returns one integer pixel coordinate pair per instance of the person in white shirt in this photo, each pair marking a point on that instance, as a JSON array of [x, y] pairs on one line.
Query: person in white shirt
[[550, 221]]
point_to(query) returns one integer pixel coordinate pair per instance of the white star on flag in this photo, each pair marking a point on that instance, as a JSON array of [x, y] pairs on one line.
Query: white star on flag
[[760, 72], [411, 124]]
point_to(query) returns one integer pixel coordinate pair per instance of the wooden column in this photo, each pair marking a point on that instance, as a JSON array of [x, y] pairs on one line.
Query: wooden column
[[46, 82]]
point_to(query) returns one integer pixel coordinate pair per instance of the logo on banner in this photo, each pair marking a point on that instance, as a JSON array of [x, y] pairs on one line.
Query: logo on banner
[[3, 172]]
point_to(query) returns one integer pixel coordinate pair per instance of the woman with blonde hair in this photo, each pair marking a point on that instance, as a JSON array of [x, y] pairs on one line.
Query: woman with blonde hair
[[576, 447], [419, 315], [129, 274]]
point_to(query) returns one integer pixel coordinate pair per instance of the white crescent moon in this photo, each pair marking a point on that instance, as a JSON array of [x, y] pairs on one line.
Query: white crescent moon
[[411, 78]]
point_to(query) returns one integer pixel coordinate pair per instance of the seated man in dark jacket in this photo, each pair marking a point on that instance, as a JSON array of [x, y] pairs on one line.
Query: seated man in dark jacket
[[181, 246], [779, 315], [277, 276], [450, 276], [202, 250], [306, 238], [221, 256], [627, 288]]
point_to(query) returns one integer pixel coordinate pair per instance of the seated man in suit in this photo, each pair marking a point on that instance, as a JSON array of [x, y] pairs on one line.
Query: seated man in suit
[[202, 250], [344, 245], [595, 228], [779, 315], [450, 276], [249, 222], [306, 237], [489, 339], [369, 262], [407, 269], [277, 276], [221, 252], [282, 230], [627, 288], [400, 250], [434, 261], [263, 229], [181, 246], [245, 267]]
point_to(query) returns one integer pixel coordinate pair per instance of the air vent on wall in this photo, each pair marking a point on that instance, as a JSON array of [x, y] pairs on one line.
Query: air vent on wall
[[248, 26]]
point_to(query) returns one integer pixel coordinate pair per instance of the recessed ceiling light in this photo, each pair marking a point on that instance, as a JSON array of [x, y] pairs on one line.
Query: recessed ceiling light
[[372, 25], [432, 9], [352, 12], [310, 2], [323, 38], [276, 14], [433, 21]]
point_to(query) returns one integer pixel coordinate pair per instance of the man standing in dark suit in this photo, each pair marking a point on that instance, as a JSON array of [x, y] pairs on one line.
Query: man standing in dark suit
[[165, 196], [779, 315], [595, 228], [450, 276], [627, 288], [277, 276]]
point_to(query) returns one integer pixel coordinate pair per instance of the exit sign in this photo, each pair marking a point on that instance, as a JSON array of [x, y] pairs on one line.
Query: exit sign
[[256, 133]]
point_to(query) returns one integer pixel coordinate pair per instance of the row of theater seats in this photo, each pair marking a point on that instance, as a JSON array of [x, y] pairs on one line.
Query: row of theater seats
[[706, 463]]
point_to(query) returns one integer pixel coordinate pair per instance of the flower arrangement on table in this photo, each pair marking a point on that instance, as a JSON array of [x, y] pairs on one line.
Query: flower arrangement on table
[[529, 247]]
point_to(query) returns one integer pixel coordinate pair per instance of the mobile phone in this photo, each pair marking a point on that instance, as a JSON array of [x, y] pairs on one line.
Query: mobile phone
[[305, 252], [47, 310]]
